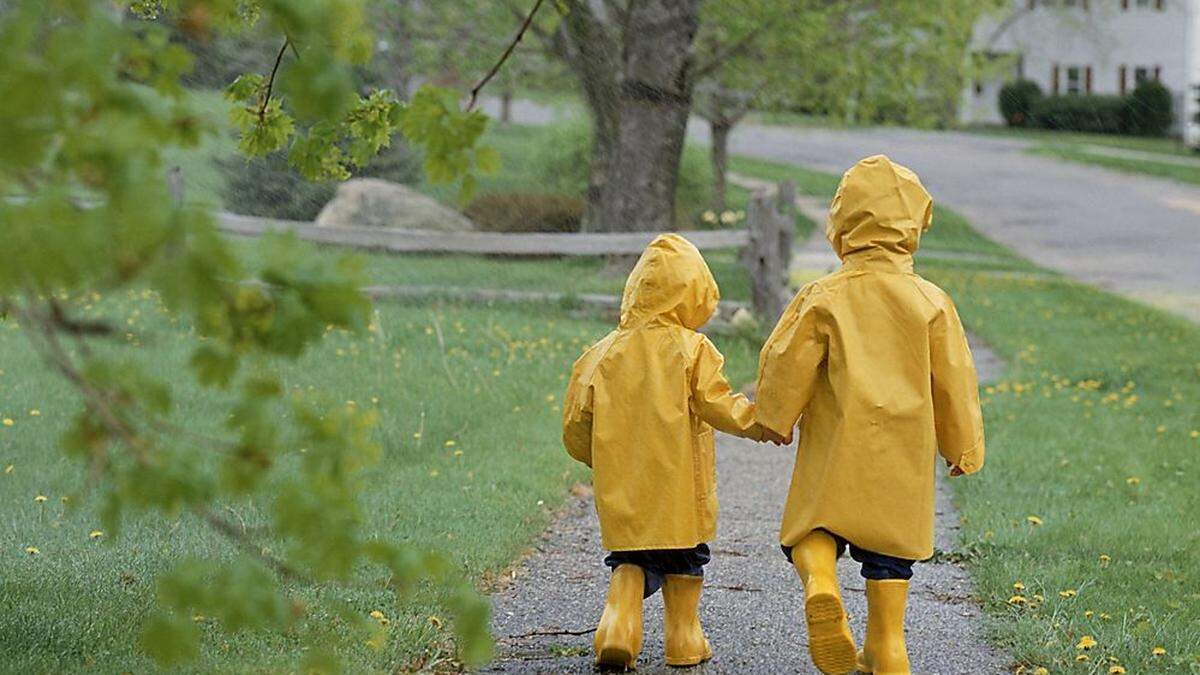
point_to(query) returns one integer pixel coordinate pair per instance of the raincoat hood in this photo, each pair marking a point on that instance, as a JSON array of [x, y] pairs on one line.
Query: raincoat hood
[[880, 211], [671, 283]]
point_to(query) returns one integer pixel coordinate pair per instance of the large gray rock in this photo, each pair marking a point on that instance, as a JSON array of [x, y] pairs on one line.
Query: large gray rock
[[372, 202]]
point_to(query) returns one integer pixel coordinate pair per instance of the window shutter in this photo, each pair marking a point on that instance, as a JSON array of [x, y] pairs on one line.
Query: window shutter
[[1121, 75], [1157, 73], [1087, 80], [1124, 4], [1054, 79]]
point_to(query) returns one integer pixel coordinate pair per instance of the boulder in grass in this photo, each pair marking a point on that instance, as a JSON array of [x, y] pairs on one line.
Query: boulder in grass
[[371, 202]]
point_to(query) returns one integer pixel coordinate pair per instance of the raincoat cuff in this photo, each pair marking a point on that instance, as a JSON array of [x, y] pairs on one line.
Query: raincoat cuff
[[972, 460], [778, 426]]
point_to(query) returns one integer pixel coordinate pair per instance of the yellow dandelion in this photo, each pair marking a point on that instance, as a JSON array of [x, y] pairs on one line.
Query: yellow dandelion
[[1158, 651], [376, 614], [1105, 616], [1018, 600], [458, 453], [417, 434], [96, 534], [1069, 593], [1088, 613], [434, 473], [450, 444], [8, 422], [35, 413], [40, 498], [1041, 670], [1086, 642], [1195, 433], [32, 550], [1133, 480], [9, 468], [1104, 559], [1162, 429], [1019, 586], [1082, 657], [1033, 520], [1116, 670], [435, 621]]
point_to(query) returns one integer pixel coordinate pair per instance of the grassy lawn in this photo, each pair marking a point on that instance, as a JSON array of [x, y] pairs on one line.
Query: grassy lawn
[[1082, 148], [478, 487]]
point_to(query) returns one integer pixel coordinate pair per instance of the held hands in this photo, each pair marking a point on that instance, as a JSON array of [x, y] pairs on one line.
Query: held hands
[[955, 470], [772, 437]]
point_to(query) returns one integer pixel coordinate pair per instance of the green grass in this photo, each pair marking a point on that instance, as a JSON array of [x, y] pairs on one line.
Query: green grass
[[1073, 147], [1166, 146], [494, 393], [1178, 172], [1093, 431]]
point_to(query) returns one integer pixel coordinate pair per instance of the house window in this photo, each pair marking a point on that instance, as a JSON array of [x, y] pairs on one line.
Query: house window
[[1159, 5], [1074, 79], [1143, 73]]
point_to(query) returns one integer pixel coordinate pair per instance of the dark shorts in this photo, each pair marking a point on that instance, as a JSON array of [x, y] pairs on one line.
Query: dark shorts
[[875, 566], [658, 563]]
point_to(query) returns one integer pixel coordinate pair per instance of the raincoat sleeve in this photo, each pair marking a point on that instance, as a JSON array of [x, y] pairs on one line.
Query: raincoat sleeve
[[958, 419], [577, 418], [790, 362], [714, 401]]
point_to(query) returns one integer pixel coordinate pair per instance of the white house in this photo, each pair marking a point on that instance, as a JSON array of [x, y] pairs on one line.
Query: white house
[[1090, 46]]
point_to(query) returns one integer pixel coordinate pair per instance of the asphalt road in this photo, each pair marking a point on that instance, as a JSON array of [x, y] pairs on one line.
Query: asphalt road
[[1135, 235]]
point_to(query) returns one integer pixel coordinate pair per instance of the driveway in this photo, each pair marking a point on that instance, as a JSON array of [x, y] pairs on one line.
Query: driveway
[[1135, 235]]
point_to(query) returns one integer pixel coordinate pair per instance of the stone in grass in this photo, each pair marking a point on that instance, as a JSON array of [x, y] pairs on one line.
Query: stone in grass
[[371, 202]]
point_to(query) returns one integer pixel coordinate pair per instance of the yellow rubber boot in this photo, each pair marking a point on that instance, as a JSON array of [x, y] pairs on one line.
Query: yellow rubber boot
[[830, 643], [619, 635], [684, 638], [883, 651]]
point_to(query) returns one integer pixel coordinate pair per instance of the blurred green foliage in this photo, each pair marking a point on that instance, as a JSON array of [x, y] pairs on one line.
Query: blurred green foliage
[[93, 98]]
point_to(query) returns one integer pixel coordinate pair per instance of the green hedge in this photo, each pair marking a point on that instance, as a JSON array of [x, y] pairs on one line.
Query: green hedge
[[526, 212], [1074, 112], [1147, 111]]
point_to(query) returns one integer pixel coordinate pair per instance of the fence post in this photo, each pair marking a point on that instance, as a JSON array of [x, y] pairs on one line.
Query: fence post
[[766, 256], [175, 185]]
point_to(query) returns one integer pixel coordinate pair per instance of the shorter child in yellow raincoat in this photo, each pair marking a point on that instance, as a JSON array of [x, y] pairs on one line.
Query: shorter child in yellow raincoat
[[640, 410], [873, 362]]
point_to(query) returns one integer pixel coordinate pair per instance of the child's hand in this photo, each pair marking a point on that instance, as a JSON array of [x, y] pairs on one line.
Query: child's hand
[[771, 436], [955, 470]]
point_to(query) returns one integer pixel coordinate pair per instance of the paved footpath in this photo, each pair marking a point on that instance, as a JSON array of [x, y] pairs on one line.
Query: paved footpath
[[1133, 234], [752, 604]]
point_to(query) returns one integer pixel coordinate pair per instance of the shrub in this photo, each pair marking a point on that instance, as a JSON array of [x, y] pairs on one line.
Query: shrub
[[1017, 102], [563, 154], [1149, 109], [526, 212], [268, 187], [1073, 112]]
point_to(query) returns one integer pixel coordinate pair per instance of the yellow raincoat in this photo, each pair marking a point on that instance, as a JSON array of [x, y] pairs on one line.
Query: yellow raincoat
[[875, 359], [643, 401]]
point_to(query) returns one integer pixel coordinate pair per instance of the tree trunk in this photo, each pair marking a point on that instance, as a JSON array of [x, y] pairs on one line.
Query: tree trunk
[[592, 49], [653, 106], [720, 161]]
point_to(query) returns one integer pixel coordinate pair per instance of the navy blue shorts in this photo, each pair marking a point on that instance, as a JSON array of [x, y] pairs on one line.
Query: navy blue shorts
[[875, 566], [658, 563]]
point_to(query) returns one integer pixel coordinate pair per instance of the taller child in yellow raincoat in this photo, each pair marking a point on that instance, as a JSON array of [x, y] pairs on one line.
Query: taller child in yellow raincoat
[[873, 362], [640, 410]]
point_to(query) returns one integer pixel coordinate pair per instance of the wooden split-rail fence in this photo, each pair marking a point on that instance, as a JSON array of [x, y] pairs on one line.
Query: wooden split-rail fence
[[765, 243]]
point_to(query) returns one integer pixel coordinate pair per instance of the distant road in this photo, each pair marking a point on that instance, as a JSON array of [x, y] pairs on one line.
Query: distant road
[[1136, 235]]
